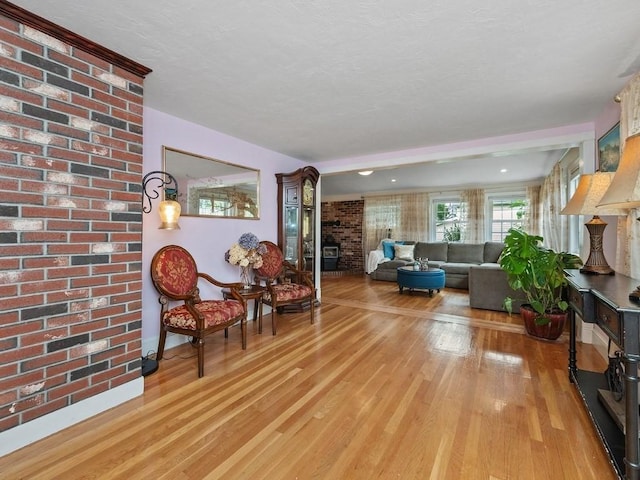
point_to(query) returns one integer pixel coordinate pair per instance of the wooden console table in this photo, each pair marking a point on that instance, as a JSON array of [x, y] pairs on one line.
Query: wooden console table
[[604, 300]]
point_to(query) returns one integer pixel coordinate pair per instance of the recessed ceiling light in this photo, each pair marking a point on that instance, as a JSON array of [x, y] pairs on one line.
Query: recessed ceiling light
[[364, 173], [393, 180], [503, 170]]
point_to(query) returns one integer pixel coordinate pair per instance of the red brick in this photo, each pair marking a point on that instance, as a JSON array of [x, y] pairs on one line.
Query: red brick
[[69, 249], [89, 192], [109, 99], [22, 329], [106, 332], [69, 61], [88, 237], [22, 95], [90, 81], [22, 301], [127, 157], [65, 225], [44, 212], [24, 198], [67, 108], [20, 354], [106, 312], [20, 250], [33, 362], [77, 318], [21, 147], [74, 156], [19, 41], [61, 369], [44, 262], [22, 380], [9, 263], [91, 104], [128, 136], [29, 237], [92, 326], [7, 318], [89, 281], [48, 407], [22, 68], [128, 377], [90, 215], [67, 272], [89, 392], [67, 389], [48, 286], [10, 421]]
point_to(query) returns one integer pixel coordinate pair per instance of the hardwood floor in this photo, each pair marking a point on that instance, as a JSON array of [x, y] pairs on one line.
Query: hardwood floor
[[383, 385]]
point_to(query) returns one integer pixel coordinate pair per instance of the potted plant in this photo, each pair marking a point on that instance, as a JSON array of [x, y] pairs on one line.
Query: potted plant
[[538, 272]]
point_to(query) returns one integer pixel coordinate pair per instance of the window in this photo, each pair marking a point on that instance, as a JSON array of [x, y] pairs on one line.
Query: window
[[506, 212], [574, 222], [447, 215]]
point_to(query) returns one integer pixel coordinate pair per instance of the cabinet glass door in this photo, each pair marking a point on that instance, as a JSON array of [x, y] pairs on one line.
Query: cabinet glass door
[[308, 239], [292, 230]]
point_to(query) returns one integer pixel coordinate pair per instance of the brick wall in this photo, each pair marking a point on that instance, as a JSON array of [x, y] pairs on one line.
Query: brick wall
[[348, 234], [70, 224]]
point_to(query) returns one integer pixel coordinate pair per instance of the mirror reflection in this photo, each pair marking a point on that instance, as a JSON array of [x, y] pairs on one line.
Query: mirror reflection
[[208, 187]]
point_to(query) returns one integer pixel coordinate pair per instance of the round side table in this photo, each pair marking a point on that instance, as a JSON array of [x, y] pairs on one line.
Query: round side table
[[254, 293]]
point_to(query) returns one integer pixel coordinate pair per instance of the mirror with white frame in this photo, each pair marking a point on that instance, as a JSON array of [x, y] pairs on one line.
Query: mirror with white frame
[[208, 187]]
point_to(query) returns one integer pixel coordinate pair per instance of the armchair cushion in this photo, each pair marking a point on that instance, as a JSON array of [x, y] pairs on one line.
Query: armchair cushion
[[215, 312], [175, 271], [285, 292]]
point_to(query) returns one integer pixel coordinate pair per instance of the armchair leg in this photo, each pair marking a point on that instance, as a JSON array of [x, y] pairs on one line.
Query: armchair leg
[[161, 342], [200, 357]]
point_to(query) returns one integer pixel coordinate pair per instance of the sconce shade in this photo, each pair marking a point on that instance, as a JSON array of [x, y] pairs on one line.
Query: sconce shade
[[624, 191], [591, 188], [169, 211]]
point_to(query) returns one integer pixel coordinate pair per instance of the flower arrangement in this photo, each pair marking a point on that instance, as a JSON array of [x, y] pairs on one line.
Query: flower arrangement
[[247, 252]]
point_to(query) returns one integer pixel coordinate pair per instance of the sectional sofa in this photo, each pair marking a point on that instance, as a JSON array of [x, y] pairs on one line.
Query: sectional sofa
[[469, 266]]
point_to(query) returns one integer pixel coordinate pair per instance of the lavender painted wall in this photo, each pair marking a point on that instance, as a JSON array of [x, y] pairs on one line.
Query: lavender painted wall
[[607, 119], [206, 238]]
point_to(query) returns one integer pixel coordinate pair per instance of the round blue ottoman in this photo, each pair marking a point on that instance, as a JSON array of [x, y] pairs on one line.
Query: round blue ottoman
[[430, 280]]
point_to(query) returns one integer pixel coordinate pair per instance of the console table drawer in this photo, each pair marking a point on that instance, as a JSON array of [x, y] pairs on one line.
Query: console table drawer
[[574, 297], [607, 318]]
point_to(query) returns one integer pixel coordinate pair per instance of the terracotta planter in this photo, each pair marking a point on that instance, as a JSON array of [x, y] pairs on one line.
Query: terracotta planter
[[550, 331]]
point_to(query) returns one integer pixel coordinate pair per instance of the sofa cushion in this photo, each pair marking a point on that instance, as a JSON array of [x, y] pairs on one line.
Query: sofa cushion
[[492, 251], [404, 252], [387, 248], [465, 253], [456, 268], [436, 251]]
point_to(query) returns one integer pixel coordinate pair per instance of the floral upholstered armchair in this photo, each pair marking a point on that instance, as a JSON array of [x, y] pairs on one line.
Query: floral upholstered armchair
[[285, 284], [175, 276]]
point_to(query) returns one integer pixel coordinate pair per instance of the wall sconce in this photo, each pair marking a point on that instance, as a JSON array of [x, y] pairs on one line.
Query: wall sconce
[[585, 200], [169, 209]]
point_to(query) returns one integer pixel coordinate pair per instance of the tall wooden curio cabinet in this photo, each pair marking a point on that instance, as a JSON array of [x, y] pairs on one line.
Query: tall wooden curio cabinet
[[297, 217]]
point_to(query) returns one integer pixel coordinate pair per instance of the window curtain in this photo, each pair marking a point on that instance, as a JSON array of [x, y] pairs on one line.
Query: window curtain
[[473, 215], [628, 247], [533, 219], [403, 217], [554, 226]]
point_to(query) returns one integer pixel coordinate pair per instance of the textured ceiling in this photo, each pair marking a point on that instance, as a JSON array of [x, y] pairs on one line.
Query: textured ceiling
[[331, 79]]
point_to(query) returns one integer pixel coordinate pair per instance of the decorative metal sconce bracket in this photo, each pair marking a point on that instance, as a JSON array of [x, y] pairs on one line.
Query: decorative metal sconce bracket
[[165, 180]]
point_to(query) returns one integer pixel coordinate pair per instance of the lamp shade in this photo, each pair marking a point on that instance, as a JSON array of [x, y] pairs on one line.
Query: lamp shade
[[624, 191], [169, 211], [587, 197]]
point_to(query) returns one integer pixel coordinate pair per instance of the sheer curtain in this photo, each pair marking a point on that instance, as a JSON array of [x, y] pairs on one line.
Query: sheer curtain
[[404, 217], [554, 226], [533, 219], [473, 215]]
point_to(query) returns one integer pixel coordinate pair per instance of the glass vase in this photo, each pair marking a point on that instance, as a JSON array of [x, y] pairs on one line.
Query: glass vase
[[245, 278]]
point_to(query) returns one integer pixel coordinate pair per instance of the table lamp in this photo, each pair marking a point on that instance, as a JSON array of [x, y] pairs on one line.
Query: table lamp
[[624, 191], [585, 201]]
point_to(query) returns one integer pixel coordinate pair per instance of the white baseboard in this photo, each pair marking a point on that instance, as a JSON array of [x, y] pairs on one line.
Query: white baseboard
[[41, 427]]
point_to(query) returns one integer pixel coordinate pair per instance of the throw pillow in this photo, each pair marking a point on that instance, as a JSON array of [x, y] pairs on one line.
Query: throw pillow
[[404, 252], [387, 249]]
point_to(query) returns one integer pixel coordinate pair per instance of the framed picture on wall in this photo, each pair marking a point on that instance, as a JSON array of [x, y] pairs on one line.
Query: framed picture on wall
[[609, 150]]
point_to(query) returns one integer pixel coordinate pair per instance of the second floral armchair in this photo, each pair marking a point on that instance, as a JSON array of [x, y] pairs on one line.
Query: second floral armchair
[[284, 283]]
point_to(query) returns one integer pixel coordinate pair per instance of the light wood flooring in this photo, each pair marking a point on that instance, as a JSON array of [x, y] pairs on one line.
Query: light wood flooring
[[382, 386]]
